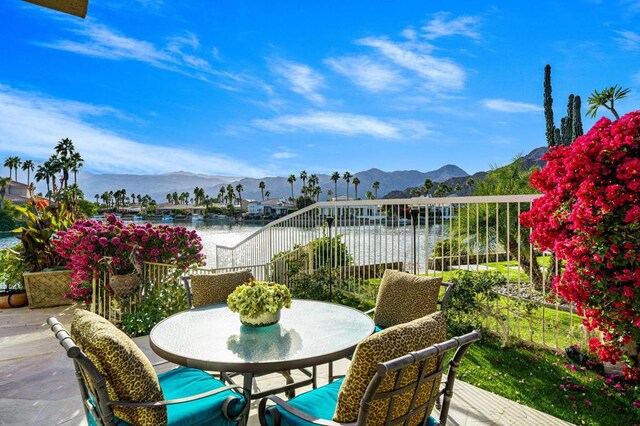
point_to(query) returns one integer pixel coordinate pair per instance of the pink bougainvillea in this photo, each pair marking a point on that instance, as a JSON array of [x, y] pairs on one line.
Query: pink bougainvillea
[[589, 216], [114, 247]]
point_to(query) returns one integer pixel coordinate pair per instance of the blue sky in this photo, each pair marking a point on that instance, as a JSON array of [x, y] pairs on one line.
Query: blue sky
[[249, 88]]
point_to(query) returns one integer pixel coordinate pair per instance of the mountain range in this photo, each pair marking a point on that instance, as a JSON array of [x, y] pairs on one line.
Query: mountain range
[[159, 185]]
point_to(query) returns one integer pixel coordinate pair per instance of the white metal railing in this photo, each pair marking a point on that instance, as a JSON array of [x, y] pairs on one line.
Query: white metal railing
[[432, 236]]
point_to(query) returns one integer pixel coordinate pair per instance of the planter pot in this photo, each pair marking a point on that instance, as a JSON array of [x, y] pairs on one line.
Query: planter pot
[[13, 299], [124, 286], [46, 289], [261, 320]]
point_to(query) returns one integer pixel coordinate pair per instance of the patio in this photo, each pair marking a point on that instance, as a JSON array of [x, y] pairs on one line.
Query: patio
[[38, 384]]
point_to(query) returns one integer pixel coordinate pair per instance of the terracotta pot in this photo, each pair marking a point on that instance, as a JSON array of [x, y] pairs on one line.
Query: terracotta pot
[[13, 299]]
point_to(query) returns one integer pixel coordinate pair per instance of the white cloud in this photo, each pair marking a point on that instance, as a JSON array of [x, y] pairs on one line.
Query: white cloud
[[283, 155], [440, 74], [302, 78], [31, 124], [510, 106], [440, 26], [628, 40], [367, 73], [344, 124], [178, 55]]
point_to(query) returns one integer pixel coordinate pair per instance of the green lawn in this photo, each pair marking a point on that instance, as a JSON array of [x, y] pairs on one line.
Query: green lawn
[[549, 382]]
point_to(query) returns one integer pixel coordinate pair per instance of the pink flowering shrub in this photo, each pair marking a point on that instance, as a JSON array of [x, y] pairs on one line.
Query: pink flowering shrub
[[589, 216], [93, 246]]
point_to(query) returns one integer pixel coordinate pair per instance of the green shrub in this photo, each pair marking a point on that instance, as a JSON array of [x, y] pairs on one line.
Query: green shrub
[[11, 268], [158, 304], [7, 218], [475, 303]]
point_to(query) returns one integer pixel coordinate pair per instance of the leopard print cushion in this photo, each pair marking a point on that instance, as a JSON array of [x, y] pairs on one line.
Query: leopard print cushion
[[386, 345], [128, 373], [403, 297], [211, 289]]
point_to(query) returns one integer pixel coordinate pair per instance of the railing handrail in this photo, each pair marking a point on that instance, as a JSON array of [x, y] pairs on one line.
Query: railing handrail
[[527, 198]]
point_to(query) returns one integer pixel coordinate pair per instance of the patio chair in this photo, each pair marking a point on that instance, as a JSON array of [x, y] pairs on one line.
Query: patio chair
[[210, 289], [118, 384], [396, 377], [404, 297]]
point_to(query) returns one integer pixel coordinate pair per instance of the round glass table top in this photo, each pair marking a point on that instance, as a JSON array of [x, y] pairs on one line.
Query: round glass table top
[[212, 337]]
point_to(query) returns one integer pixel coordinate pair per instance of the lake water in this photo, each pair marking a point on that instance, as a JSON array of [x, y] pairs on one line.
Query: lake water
[[372, 244], [212, 234]]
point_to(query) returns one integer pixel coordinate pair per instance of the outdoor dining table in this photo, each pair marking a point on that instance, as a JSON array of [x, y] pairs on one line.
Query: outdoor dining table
[[308, 334]]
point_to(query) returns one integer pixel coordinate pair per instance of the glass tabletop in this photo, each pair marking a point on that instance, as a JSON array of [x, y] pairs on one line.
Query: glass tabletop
[[212, 337]]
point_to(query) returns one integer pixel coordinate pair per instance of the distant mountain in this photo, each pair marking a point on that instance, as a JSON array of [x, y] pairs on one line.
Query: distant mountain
[[532, 159], [158, 186]]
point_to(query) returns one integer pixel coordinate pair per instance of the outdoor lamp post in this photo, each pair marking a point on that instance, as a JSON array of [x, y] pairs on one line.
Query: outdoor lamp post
[[329, 220], [415, 212]]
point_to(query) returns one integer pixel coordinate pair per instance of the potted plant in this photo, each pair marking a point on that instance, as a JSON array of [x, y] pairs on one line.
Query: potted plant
[[13, 295], [259, 302], [45, 279]]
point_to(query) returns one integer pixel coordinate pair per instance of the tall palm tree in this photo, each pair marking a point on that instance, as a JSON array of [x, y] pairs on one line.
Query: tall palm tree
[[239, 190], [28, 167], [606, 98], [221, 196], [267, 194], [375, 186], [97, 197], [316, 191], [303, 177], [169, 198], [13, 163], [335, 177], [369, 195], [347, 177], [356, 182], [4, 182], [42, 174], [75, 163], [291, 179], [427, 185], [262, 186], [329, 194], [230, 194], [65, 150]]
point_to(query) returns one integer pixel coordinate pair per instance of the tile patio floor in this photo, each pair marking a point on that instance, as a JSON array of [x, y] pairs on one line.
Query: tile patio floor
[[38, 387]]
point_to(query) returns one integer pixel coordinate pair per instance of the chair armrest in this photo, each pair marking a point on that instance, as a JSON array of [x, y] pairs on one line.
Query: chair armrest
[[370, 311], [179, 400], [262, 411], [155, 364]]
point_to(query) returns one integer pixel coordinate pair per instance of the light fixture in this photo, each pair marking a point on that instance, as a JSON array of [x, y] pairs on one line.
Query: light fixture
[[72, 7]]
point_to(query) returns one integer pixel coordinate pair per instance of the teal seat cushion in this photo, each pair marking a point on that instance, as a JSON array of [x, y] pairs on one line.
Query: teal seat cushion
[[182, 382], [378, 329], [319, 403]]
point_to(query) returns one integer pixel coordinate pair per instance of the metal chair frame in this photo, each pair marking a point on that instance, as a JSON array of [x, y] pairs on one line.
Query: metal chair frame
[[400, 366], [93, 385]]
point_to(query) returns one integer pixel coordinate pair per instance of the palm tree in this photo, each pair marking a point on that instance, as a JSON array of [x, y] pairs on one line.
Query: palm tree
[[262, 186], [106, 198], [239, 190], [13, 163], [427, 185], [442, 190], [76, 163], [303, 177], [329, 194], [457, 188], [291, 179], [221, 196], [230, 194], [471, 182], [65, 151], [335, 177], [267, 194], [4, 182], [369, 195], [169, 198], [316, 191], [606, 98], [347, 177], [97, 197], [356, 182], [28, 167], [375, 186]]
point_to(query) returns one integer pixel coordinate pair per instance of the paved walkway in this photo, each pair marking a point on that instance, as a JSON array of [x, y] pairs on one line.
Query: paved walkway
[[38, 387]]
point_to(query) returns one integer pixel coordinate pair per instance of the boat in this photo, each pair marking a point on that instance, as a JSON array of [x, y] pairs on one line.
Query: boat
[[167, 218], [138, 217], [196, 218]]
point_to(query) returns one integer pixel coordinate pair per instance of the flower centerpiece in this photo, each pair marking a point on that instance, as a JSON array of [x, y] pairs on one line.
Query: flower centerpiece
[[259, 302], [589, 216]]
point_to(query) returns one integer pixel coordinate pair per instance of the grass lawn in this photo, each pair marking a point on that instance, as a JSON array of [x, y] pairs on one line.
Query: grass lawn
[[549, 382]]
